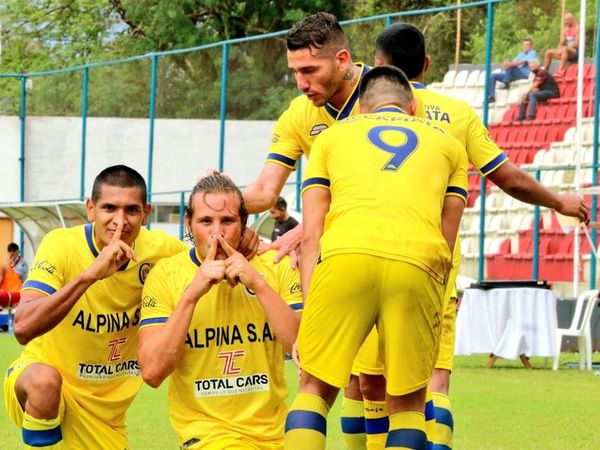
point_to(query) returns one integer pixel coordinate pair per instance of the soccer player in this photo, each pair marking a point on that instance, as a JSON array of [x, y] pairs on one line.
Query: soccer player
[[79, 314], [218, 324], [369, 173], [403, 46], [318, 54]]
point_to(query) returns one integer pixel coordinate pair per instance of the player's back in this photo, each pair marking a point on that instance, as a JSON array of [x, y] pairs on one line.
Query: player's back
[[388, 174]]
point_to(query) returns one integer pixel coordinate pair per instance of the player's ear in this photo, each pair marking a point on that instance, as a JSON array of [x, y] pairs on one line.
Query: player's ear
[[343, 60], [412, 107], [426, 64], [378, 59], [147, 211], [89, 206]]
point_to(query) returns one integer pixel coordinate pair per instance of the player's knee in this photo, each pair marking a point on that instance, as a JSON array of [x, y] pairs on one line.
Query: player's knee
[[372, 387], [310, 384], [43, 380], [352, 391]]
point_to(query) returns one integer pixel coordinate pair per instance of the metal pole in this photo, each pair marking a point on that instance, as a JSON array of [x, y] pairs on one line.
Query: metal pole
[[22, 116], [595, 153], [299, 185], [84, 112], [388, 21], [151, 115], [181, 214], [223, 111], [488, 59], [535, 270]]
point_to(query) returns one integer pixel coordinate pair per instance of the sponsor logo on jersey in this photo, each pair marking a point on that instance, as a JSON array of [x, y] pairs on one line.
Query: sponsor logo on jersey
[[148, 302], [296, 287], [317, 129], [229, 335], [433, 112], [44, 265], [274, 138], [107, 372], [231, 385], [144, 271], [109, 322]]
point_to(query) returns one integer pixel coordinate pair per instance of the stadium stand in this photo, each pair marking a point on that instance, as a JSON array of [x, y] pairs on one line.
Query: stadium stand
[[548, 142]]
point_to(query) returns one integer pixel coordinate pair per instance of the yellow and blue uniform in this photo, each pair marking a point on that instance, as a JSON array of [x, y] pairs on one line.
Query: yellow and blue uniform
[[458, 119], [229, 385], [384, 206], [95, 346]]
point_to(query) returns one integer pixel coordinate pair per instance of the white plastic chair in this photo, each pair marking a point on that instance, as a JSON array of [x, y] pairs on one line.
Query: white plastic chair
[[580, 328]]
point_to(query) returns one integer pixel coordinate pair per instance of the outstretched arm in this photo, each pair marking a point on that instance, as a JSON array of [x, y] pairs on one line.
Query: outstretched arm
[[262, 193], [34, 317], [519, 184]]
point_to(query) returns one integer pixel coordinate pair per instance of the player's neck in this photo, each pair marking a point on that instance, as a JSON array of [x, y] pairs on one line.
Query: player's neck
[[419, 78], [348, 83]]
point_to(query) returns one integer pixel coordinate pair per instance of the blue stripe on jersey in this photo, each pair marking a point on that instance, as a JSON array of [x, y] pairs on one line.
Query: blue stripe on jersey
[[440, 447], [443, 416], [395, 109], [353, 425], [194, 257], [331, 110], [417, 85], [42, 438], [316, 180], [407, 438], [299, 419], [457, 190], [282, 159], [489, 167], [89, 237], [32, 284], [297, 306], [378, 426], [153, 320]]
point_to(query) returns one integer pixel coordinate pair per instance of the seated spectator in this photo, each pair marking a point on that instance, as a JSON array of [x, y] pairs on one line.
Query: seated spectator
[[517, 69], [568, 49], [283, 221], [543, 87], [16, 261]]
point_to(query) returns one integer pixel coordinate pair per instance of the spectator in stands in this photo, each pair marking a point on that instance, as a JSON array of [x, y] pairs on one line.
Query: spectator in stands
[[517, 69], [10, 286], [543, 87], [283, 221], [16, 261], [568, 49]]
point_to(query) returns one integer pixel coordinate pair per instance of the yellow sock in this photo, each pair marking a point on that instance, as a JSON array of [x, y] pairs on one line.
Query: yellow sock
[[429, 418], [407, 431], [353, 424], [444, 422], [306, 423], [41, 433], [377, 424]]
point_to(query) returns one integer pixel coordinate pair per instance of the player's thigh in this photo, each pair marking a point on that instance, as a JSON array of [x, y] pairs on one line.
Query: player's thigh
[[338, 315], [235, 444], [445, 357], [369, 360], [409, 326]]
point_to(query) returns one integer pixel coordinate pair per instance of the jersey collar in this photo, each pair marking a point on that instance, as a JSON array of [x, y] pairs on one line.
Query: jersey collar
[[416, 85], [194, 256], [91, 242], [351, 101], [390, 108]]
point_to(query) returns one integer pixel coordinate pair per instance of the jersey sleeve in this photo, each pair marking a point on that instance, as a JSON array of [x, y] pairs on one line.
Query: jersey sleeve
[[49, 265], [290, 289], [157, 298], [458, 181], [483, 152], [316, 174], [285, 146]]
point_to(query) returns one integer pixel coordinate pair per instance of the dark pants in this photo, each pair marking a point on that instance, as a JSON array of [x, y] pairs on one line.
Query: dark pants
[[534, 97], [506, 76]]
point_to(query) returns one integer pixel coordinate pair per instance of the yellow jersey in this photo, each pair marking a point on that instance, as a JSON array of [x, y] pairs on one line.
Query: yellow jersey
[[95, 346], [230, 380], [388, 173], [458, 119]]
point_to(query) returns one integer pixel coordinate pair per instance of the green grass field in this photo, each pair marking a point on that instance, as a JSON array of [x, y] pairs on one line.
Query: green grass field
[[504, 408]]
